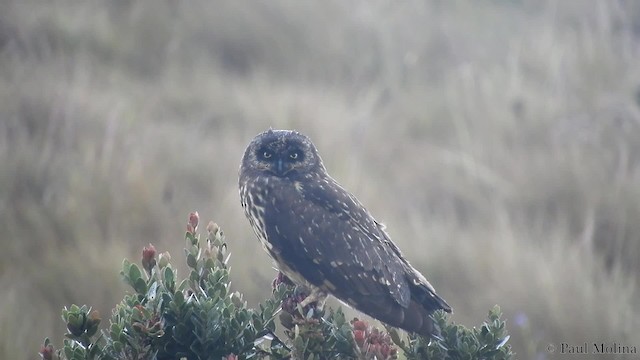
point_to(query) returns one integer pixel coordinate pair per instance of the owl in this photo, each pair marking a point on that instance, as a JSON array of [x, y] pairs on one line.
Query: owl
[[321, 236]]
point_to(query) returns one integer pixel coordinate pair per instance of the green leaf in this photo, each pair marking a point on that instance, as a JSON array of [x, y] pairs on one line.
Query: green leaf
[[178, 298], [134, 273], [93, 351], [210, 264], [184, 284], [140, 286], [115, 330], [79, 354], [192, 262], [68, 351], [395, 336], [169, 281], [118, 346], [92, 330], [193, 276]]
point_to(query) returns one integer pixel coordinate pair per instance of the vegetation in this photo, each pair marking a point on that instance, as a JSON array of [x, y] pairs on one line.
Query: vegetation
[[498, 140], [198, 318]]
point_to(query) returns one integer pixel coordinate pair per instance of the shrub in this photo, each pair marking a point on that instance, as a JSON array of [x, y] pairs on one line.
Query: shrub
[[200, 318]]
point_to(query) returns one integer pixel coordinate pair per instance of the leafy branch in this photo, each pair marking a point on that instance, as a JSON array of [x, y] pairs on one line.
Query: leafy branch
[[198, 317]]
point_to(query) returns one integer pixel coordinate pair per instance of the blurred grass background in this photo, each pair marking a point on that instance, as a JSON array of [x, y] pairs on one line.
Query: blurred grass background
[[498, 140]]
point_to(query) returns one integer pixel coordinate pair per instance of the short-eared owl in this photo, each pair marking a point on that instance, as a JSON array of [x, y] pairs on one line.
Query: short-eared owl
[[319, 234]]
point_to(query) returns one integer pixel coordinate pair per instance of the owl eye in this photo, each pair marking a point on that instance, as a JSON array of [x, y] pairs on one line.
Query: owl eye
[[294, 155], [267, 154]]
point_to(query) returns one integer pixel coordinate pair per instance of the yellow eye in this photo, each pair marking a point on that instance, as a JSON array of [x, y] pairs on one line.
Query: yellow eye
[[266, 154], [294, 155]]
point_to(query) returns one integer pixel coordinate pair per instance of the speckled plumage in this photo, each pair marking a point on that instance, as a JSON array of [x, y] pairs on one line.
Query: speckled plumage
[[320, 234]]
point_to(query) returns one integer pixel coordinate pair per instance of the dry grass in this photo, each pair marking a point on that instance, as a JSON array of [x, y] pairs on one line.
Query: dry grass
[[498, 140]]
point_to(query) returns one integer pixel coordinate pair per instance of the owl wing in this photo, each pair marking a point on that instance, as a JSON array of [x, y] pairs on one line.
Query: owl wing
[[345, 250]]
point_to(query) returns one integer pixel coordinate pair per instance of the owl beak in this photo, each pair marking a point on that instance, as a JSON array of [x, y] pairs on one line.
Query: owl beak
[[280, 167]]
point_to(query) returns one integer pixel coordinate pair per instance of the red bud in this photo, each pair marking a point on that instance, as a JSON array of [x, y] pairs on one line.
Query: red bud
[[192, 225]]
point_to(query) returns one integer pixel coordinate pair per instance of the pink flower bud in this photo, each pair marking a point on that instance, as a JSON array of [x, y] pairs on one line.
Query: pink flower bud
[[192, 225], [148, 257], [47, 352], [358, 336], [359, 324]]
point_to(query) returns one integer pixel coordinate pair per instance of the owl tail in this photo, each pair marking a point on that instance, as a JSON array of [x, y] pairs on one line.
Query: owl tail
[[428, 299], [416, 317], [418, 314], [417, 320]]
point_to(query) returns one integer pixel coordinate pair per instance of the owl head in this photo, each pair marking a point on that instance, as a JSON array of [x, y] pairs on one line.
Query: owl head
[[282, 153]]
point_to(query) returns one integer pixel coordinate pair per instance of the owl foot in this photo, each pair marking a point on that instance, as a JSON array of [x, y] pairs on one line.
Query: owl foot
[[317, 296]]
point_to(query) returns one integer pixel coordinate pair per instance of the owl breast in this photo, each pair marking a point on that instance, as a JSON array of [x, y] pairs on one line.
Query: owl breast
[[253, 202], [258, 197]]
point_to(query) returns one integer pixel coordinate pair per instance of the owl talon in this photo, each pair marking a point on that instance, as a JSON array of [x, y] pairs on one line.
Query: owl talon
[[317, 296]]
